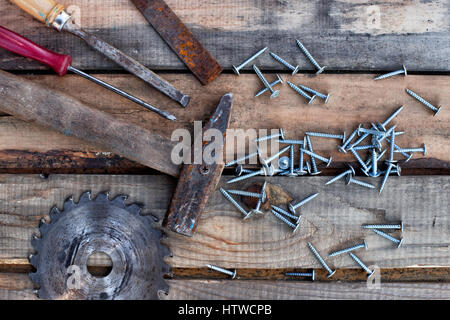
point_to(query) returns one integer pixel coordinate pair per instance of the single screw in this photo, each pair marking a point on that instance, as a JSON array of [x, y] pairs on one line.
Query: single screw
[[245, 193], [283, 163], [424, 102], [326, 135], [300, 142], [350, 138], [384, 226], [350, 171], [313, 161], [362, 265], [272, 136], [234, 202], [292, 207], [301, 170], [274, 93], [310, 58], [391, 147], [369, 131], [240, 170], [374, 163], [279, 80], [356, 247], [287, 214], [243, 64], [423, 149], [302, 274], [266, 162], [292, 225], [301, 92], [316, 93], [285, 63], [386, 174], [229, 164], [322, 262], [389, 119], [365, 147], [385, 235], [349, 179], [291, 162], [267, 171], [315, 155], [391, 74], [222, 270], [361, 162]]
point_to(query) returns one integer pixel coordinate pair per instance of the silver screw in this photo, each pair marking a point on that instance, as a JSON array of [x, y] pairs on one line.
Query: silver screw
[[302, 274], [315, 155], [386, 174], [349, 180], [424, 102], [391, 147], [313, 161], [262, 198], [272, 136], [364, 136], [301, 170], [279, 80], [406, 155], [392, 116], [291, 162], [362, 265], [285, 63], [384, 226], [300, 142], [229, 164], [317, 93], [266, 162], [350, 171], [350, 138], [366, 147], [274, 93], [310, 58], [279, 216], [374, 163], [292, 207], [267, 171], [322, 262], [391, 74], [369, 162], [243, 64], [356, 247], [301, 92], [385, 235], [361, 162], [240, 170], [326, 135], [283, 163], [222, 270], [287, 214], [245, 193], [369, 131], [234, 202], [423, 150]]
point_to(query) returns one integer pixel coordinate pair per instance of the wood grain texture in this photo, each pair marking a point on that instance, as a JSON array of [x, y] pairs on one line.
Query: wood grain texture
[[354, 99], [331, 221], [19, 287], [344, 35]]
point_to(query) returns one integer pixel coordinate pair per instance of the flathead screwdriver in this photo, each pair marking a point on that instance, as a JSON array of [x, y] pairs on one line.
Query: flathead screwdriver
[[60, 63]]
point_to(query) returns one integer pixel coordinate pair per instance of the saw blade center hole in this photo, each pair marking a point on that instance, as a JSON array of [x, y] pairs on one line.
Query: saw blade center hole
[[99, 264]]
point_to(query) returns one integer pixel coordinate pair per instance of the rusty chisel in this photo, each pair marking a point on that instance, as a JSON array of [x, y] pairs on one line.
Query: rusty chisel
[[180, 39], [54, 15]]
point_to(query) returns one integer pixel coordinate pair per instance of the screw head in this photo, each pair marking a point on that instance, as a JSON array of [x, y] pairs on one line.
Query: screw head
[[282, 134], [312, 99], [264, 193], [404, 69], [291, 208], [399, 170], [342, 149], [234, 274], [326, 100], [424, 150], [275, 94], [313, 275], [295, 71], [238, 170], [291, 174], [400, 243], [343, 136], [280, 79], [370, 274], [409, 158], [437, 111], [329, 161], [351, 168], [301, 172], [365, 244], [236, 70], [348, 179], [283, 163], [401, 224], [320, 70], [329, 276]]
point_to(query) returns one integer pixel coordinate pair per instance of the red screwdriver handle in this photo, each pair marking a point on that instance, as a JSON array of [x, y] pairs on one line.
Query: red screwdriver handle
[[14, 42]]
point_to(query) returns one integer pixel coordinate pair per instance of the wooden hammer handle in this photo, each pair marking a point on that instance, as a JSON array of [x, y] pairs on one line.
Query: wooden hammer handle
[[36, 103], [43, 10]]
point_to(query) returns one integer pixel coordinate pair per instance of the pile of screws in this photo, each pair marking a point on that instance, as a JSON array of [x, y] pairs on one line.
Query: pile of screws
[[306, 92]]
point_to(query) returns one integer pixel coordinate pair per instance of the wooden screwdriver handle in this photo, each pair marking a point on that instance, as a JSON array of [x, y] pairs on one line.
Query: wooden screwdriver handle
[[14, 42], [45, 11]]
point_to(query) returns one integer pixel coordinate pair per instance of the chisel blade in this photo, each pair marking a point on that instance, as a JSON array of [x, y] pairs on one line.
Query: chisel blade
[[197, 181], [180, 39], [129, 64]]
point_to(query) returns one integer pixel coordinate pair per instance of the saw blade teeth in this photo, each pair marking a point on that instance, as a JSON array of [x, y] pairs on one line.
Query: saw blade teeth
[[134, 208], [32, 258], [35, 242], [102, 196], [85, 197], [43, 226], [69, 204], [54, 212], [34, 277], [120, 200]]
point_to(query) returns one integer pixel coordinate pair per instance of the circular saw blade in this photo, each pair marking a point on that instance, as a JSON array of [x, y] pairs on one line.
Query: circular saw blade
[[100, 225]]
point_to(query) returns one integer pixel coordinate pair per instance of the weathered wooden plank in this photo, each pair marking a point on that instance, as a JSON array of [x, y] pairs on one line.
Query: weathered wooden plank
[[354, 99], [331, 221], [18, 286], [344, 35]]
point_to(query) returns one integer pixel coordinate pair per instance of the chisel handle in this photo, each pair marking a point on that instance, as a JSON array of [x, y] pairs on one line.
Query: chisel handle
[[14, 42], [45, 11]]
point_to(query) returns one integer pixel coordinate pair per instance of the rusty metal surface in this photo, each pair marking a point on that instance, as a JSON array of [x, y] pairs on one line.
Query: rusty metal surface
[[197, 181], [180, 39], [99, 225], [129, 64]]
